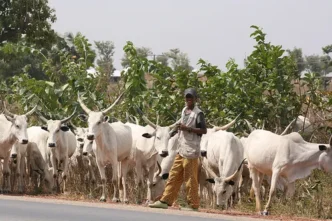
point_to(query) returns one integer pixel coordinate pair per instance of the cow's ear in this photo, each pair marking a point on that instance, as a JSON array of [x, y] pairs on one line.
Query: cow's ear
[[9, 118], [172, 134], [231, 182], [165, 176], [82, 117], [64, 128], [147, 135], [210, 180], [106, 118], [44, 128], [322, 147]]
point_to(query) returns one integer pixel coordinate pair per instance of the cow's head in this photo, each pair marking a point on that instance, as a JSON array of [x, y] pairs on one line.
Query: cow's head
[[96, 120], [17, 148], [87, 147], [161, 136], [56, 129], [19, 125], [80, 134], [223, 186], [325, 159]]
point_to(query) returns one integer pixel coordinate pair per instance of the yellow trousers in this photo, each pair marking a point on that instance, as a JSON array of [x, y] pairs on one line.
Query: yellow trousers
[[183, 170]]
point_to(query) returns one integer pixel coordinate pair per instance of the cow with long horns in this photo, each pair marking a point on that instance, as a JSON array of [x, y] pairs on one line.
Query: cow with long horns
[[223, 162], [149, 142], [60, 146], [113, 144], [13, 128]]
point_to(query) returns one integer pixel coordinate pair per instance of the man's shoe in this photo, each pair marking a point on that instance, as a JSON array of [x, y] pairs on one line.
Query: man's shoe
[[158, 204], [188, 209]]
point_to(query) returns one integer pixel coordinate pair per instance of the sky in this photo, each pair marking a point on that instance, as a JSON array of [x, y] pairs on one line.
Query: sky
[[214, 30]]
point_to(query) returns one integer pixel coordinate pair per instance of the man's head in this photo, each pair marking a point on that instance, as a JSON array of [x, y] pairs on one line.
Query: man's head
[[190, 95]]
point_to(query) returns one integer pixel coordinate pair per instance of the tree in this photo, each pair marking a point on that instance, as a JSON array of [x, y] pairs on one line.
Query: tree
[[178, 59], [297, 55], [142, 52], [105, 49], [29, 18]]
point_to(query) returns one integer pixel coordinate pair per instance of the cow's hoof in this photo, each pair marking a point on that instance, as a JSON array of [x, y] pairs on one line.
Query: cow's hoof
[[138, 202], [102, 199], [265, 213], [116, 200]]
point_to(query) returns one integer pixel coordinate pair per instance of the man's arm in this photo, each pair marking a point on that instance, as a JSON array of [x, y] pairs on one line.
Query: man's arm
[[201, 129]]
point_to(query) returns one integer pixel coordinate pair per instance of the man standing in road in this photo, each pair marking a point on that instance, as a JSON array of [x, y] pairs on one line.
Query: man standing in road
[[185, 166]]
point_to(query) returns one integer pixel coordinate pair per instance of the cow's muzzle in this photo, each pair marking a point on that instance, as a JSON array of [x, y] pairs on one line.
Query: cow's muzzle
[[164, 153], [24, 141], [51, 144], [85, 153], [90, 137], [203, 153], [14, 155]]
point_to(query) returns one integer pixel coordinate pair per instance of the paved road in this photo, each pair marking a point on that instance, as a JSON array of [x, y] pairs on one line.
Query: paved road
[[39, 209]]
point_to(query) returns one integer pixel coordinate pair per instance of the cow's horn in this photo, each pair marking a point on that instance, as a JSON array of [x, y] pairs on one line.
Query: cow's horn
[[31, 111], [83, 106], [173, 125], [225, 127], [68, 118], [42, 117], [209, 170], [249, 125], [115, 102], [149, 122], [289, 125], [159, 169], [231, 177], [6, 111]]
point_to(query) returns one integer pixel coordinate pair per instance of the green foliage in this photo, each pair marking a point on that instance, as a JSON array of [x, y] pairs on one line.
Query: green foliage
[[28, 18]]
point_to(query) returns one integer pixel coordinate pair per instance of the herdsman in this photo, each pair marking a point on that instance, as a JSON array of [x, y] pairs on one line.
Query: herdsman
[[185, 166]]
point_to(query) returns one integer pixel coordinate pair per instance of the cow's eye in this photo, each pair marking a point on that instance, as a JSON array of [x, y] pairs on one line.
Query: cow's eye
[[158, 138], [99, 122], [80, 139], [17, 126], [57, 131]]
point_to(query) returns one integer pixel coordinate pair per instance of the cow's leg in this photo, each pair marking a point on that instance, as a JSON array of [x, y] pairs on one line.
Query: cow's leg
[[256, 187], [92, 176], [6, 176], [20, 173], [115, 181], [139, 175], [65, 172], [101, 169], [274, 179], [55, 171], [124, 171], [290, 190]]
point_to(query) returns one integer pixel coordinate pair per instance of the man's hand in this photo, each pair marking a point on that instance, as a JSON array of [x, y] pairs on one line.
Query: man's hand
[[182, 127]]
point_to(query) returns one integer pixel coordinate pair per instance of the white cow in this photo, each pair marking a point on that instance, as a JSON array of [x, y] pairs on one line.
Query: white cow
[[84, 155], [113, 144], [160, 177], [18, 166], [149, 142], [223, 162], [60, 146], [289, 157], [12, 128], [37, 166]]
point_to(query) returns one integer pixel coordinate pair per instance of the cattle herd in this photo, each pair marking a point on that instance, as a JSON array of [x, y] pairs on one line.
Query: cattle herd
[[229, 166]]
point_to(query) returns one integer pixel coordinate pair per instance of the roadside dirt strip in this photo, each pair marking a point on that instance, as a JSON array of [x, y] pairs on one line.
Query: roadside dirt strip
[[174, 211]]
